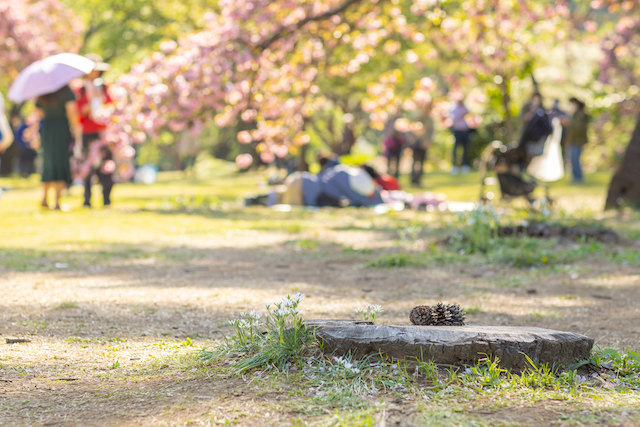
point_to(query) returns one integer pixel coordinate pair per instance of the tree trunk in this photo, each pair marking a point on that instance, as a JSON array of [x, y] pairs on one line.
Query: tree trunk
[[506, 100], [625, 183], [302, 165]]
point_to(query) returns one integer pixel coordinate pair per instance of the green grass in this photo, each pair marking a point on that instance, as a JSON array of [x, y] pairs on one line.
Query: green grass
[[66, 305], [355, 389], [175, 219], [205, 207], [396, 260]]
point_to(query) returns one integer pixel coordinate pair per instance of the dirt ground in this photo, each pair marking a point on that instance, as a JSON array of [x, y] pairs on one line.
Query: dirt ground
[[115, 303], [100, 333]]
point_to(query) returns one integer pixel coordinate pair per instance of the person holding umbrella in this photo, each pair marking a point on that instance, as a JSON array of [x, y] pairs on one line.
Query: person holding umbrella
[[47, 80], [59, 125]]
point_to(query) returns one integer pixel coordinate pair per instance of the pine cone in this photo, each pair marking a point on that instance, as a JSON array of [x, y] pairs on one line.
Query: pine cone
[[421, 315], [438, 315], [456, 314]]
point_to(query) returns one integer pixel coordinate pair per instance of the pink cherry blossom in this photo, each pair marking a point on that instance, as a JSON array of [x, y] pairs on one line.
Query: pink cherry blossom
[[244, 160]]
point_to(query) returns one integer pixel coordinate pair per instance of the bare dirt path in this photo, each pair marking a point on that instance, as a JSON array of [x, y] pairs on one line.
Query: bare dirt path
[[107, 337]]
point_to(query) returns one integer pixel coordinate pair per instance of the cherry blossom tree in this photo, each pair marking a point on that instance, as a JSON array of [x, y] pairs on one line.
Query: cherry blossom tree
[[271, 63], [31, 30], [252, 61]]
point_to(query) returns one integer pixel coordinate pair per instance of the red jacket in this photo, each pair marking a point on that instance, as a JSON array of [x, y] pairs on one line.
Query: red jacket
[[88, 125], [387, 182]]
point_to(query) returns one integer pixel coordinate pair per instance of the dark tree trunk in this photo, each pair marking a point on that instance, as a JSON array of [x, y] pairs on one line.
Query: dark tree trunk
[[625, 183], [505, 87], [302, 165]]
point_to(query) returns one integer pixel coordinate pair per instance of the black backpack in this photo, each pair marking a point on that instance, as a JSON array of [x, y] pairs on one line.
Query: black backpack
[[535, 133], [538, 127]]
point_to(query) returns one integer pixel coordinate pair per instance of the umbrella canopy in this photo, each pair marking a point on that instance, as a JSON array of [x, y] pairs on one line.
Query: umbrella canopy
[[48, 75]]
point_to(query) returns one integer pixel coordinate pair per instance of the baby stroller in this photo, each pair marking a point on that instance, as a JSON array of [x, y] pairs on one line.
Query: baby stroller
[[510, 162]]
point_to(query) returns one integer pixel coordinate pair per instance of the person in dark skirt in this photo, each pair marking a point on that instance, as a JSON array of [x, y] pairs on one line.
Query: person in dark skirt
[[58, 128]]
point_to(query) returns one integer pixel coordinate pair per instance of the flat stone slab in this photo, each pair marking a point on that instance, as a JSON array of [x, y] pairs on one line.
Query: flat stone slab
[[455, 345]]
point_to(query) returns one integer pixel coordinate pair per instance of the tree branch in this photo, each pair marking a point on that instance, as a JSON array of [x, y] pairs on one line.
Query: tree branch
[[288, 30]]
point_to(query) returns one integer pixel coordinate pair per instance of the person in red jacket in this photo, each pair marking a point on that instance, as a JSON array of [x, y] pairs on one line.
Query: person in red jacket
[[93, 94]]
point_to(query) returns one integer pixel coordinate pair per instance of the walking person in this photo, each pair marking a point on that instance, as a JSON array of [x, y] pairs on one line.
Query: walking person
[[393, 144], [59, 125], [422, 143], [462, 135], [577, 137], [92, 95]]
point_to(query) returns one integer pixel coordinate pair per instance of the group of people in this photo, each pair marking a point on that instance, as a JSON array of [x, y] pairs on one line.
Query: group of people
[[536, 128], [538, 124], [68, 127], [336, 185], [395, 142]]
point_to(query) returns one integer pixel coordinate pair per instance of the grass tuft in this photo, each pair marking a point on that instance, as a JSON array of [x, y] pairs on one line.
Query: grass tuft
[[395, 260], [66, 305]]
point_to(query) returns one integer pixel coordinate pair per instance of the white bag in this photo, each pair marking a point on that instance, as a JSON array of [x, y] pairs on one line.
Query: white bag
[[549, 166]]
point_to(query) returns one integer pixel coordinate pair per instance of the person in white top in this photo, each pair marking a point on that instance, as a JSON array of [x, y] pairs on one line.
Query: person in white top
[[6, 134]]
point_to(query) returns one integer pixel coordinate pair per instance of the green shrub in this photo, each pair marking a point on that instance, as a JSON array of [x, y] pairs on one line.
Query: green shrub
[[479, 227]]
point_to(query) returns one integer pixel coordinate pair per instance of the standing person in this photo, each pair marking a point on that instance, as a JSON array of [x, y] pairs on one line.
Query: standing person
[[462, 133], [59, 125], [535, 131], [556, 111], [422, 144], [26, 154], [6, 134], [188, 148], [92, 95], [393, 145], [577, 137]]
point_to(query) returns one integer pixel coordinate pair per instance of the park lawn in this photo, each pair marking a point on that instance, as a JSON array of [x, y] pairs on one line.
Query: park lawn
[[118, 303]]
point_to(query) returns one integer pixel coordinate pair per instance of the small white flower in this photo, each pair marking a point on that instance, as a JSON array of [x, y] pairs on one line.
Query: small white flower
[[374, 309]]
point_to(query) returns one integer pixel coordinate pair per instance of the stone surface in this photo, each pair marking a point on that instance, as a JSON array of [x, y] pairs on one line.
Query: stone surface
[[456, 345]]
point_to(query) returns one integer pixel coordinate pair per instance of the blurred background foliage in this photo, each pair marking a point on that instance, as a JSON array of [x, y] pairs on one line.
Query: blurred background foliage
[[124, 32]]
